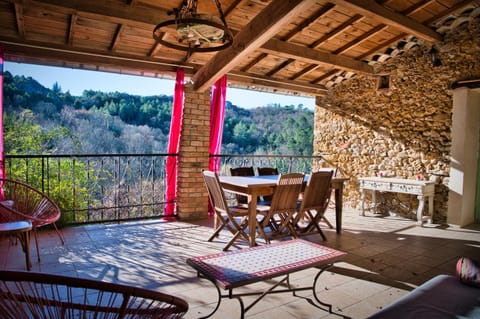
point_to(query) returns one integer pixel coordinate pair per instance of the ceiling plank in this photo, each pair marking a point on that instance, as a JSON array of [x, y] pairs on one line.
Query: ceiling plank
[[373, 10], [302, 53], [117, 12], [261, 28]]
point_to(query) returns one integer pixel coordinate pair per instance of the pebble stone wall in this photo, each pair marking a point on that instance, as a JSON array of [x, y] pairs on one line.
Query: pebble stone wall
[[403, 130]]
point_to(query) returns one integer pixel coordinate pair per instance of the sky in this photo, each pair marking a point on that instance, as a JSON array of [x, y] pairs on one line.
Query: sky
[[76, 81]]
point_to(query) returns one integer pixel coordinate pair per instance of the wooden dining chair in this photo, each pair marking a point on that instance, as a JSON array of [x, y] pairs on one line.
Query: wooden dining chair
[[331, 203], [275, 221], [314, 204], [242, 171], [262, 171], [232, 218]]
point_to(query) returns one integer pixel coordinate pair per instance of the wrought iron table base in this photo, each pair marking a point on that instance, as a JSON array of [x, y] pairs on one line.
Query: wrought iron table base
[[271, 290]]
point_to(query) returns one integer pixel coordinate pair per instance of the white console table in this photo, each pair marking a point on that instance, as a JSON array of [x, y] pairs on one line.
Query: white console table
[[423, 190]]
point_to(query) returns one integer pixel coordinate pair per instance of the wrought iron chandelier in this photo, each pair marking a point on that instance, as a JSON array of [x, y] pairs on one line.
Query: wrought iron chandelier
[[196, 32]]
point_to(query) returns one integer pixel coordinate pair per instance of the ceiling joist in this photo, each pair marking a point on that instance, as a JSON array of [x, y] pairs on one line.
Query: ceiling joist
[[375, 11], [260, 29], [298, 52]]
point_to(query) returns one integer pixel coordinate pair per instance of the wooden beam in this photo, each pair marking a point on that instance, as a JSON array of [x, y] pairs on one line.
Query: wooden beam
[[311, 19], [302, 53], [295, 86], [305, 71], [261, 28], [71, 29], [342, 27], [373, 10], [35, 50], [20, 20], [116, 37], [367, 35], [302, 26]]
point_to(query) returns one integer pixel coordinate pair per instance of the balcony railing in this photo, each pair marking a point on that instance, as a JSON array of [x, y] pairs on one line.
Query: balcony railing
[[284, 163], [96, 188], [118, 187]]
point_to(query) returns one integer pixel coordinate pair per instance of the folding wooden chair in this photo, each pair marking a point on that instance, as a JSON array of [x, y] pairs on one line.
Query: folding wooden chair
[[262, 171], [275, 221], [314, 203], [233, 218], [242, 171]]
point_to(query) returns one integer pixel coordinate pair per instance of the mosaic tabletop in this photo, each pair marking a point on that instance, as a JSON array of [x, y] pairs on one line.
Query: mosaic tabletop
[[237, 268]]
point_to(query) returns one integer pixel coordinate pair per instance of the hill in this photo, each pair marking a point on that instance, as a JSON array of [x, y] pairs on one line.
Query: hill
[[102, 123]]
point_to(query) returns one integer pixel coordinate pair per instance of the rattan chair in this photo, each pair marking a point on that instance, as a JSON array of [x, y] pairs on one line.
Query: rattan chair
[[26, 295], [232, 218], [275, 221], [314, 203], [23, 202], [242, 171]]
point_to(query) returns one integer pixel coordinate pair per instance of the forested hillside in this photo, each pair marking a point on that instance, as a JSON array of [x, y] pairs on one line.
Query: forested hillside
[[41, 120]]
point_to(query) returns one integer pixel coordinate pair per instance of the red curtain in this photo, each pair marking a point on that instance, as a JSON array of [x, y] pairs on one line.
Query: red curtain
[[173, 143], [217, 115], [2, 154]]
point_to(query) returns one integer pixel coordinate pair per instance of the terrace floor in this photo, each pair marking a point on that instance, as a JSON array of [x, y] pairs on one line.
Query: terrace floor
[[387, 257]]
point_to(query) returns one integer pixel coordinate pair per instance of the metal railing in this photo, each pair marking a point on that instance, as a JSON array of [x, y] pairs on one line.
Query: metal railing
[[284, 163], [117, 187], [96, 188]]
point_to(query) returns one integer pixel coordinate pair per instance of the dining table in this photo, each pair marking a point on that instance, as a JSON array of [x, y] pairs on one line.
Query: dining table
[[255, 186]]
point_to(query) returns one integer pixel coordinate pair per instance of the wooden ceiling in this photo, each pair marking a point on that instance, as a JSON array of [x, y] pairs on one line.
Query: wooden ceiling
[[284, 46]]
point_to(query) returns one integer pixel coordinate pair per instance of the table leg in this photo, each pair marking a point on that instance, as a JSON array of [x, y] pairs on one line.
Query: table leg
[[252, 218], [421, 205], [430, 208], [362, 198], [24, 238], [338, 207]]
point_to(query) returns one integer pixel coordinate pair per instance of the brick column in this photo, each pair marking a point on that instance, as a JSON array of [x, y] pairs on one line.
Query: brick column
[[192, 197]]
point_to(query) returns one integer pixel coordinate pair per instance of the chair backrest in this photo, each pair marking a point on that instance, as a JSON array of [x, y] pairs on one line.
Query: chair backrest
[[215, 192], [285, 196], [328, 169], [22, 201], [267, 171], [317, 192], [242, 171], [47, 296]]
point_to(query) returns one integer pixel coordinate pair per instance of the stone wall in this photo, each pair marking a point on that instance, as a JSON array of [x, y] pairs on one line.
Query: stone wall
[[402, 131]]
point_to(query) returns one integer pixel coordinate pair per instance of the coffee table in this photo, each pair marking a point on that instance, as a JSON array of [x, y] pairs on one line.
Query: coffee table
[[233, 269], [21, 230]]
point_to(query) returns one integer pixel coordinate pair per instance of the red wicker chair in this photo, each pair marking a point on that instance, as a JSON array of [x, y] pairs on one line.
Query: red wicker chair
[[25, 295], [23, 202]]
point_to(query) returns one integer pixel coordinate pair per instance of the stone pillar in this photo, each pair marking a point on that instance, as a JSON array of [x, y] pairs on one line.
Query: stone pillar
[[192, 197], [464, 157]]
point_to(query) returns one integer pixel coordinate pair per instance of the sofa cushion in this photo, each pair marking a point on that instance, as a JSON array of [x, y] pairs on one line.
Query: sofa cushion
[[468, 271], [442, 297]]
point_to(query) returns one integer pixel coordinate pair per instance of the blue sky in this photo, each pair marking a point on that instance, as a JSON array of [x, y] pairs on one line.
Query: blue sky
[[76, 81]]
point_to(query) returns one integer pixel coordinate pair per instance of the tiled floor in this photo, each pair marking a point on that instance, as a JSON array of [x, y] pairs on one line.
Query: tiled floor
[[387, 257]]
